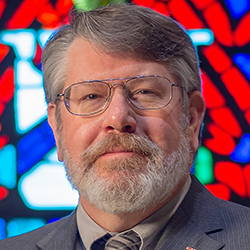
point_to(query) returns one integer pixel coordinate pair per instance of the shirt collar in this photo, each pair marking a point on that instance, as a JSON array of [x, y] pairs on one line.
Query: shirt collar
[[150, 229]]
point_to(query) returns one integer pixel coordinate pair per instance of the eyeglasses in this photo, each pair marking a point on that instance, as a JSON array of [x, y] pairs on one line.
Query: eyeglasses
[[144, 92]]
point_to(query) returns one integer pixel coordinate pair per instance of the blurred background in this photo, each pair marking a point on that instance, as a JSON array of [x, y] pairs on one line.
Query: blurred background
[[33, 187]]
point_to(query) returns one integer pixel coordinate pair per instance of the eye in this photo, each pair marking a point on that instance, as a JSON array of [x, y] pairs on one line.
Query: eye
[[89, 97], [144, 92]]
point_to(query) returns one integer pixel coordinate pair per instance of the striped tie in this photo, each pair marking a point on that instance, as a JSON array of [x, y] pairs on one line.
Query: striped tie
[[100, 244], [127, 241]]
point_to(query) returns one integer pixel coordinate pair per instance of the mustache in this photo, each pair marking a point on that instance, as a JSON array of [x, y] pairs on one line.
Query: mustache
[[122, 142]]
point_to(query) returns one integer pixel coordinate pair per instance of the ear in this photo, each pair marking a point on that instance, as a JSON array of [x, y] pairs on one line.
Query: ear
[[196, 114], [53, 124]]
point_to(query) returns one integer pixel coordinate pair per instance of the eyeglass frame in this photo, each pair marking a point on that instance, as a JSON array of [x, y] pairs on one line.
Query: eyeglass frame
[[116, 84]]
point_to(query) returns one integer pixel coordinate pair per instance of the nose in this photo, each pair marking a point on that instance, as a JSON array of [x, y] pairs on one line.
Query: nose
[[119, 116]]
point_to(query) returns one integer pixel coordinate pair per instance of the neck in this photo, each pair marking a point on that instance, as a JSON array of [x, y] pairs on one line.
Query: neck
[[117, 222]]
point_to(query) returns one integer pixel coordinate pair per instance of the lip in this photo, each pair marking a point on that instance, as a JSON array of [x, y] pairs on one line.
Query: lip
[[118, 154]]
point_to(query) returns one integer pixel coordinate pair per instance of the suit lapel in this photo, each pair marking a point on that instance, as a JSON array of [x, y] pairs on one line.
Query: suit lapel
[[181, 233], [192, 225], [63, 237]]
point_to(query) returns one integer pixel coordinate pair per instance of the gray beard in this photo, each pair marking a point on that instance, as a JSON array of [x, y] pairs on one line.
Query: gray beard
[[145, 180]]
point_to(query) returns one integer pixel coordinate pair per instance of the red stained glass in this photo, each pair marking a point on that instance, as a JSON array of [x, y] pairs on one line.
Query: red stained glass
[[3, 193], [25, 14], [212, 95], [3, 51], [48, 16], [219, 22], [219, 190], [247, 116], [238, 87], [63, 6], [202, 4], [37, 58], [161, 8], [225, 118], [221, 142], [3, 140], [241, 37], [7, 85], [2, 107], [2, 7], [185, 14], [145, 3], [231, 174], [217, 57], [246, 171]]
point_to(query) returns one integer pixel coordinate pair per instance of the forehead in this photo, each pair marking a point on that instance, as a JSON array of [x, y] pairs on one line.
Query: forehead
[[85, 62]]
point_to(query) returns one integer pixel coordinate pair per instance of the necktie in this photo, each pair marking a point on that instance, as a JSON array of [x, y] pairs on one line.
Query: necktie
[[100, 244], [126, 241]]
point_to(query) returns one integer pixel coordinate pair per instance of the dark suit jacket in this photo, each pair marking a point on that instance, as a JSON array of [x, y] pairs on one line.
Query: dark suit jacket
[[202, 222]]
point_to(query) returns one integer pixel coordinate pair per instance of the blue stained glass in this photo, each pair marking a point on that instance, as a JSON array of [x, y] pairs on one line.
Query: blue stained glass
[[201, 36], [22, 41], [18, 226], [2, 229], [53, 220], [8, 166], [242, 151], [243, 61], [238, 7], [34, 146]]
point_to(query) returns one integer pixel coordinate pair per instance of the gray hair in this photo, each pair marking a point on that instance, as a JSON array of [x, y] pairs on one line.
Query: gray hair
[[124, 29]]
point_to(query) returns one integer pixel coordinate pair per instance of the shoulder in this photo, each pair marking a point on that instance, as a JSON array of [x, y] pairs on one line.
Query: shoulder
[[235, 224], [31, 239], [234, 216], [198, 196], [207, 210]]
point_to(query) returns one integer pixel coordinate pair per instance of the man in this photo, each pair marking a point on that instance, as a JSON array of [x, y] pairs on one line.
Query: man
[[123, 90]]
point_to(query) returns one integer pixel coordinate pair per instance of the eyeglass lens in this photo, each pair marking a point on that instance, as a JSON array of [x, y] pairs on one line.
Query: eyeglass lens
[[149, 92]]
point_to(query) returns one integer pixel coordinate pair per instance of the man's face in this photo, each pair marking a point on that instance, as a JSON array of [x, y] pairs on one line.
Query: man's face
[[160, 127]]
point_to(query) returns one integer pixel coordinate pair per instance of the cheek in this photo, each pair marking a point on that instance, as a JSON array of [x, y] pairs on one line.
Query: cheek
[[164, 133], [79, 135]]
